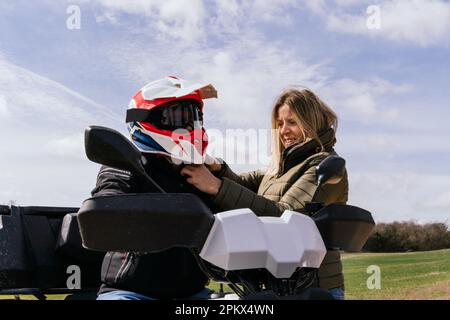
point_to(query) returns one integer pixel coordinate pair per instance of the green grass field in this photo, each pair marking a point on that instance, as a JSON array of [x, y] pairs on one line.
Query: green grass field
[[415, 275]]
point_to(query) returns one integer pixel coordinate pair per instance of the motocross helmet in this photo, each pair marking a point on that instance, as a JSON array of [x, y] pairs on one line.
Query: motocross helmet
[[166, 117]]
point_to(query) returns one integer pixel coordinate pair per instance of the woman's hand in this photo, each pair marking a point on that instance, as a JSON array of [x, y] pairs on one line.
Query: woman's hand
[[201, 178], [214, 167], [212, 163]]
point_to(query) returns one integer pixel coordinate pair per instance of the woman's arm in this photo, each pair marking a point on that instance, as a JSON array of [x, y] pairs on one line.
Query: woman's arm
[[231, 195], [250, 180]]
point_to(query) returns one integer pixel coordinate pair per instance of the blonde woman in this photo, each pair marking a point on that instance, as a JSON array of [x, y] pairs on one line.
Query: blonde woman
[[304, 135]]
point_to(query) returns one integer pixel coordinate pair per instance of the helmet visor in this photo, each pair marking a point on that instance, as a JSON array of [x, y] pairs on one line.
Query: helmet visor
[[183, 114]]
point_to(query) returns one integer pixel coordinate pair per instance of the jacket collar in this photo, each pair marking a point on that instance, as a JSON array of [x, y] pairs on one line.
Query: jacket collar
[[297, 153]]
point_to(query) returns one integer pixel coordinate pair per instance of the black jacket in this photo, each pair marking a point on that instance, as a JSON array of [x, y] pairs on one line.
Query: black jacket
[[173, 273]]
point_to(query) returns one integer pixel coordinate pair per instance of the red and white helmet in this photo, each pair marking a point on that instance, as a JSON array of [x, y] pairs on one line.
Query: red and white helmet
[[166, 117]]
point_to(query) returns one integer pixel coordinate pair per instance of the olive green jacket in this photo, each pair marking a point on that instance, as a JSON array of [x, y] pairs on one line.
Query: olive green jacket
[[290, 189]]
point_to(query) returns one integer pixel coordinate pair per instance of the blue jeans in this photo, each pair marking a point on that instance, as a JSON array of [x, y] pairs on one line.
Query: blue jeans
[[337, 293], [129, 295]]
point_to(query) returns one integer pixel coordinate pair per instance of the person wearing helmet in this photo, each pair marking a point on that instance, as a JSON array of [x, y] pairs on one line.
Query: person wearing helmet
[[165, 123]]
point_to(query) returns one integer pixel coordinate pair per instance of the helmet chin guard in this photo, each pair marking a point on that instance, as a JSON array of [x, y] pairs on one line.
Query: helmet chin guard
[[166, 117]]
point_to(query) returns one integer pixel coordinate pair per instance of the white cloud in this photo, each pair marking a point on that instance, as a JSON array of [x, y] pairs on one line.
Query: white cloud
[[423, 22], [173, 18], [193, 21], [357, 100], [107, 17], [250, 75], [420, 22], [72, 146], [401, 196]]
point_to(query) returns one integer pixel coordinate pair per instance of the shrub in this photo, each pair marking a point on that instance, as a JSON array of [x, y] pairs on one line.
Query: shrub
[[408, 236]]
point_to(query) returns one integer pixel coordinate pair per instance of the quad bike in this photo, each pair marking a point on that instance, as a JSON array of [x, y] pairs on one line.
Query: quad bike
[[258, 257]]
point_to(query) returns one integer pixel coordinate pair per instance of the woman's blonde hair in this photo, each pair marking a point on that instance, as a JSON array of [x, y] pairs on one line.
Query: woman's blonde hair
[[312, 115]]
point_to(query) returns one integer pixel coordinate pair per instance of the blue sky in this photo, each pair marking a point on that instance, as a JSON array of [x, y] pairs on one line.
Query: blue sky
[[387, 85]]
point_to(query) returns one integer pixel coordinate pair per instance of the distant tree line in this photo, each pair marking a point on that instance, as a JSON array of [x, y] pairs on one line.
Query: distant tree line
[[408, 236]]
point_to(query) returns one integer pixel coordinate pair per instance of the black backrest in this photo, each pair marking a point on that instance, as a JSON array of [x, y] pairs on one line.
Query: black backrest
[[33, 253]]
